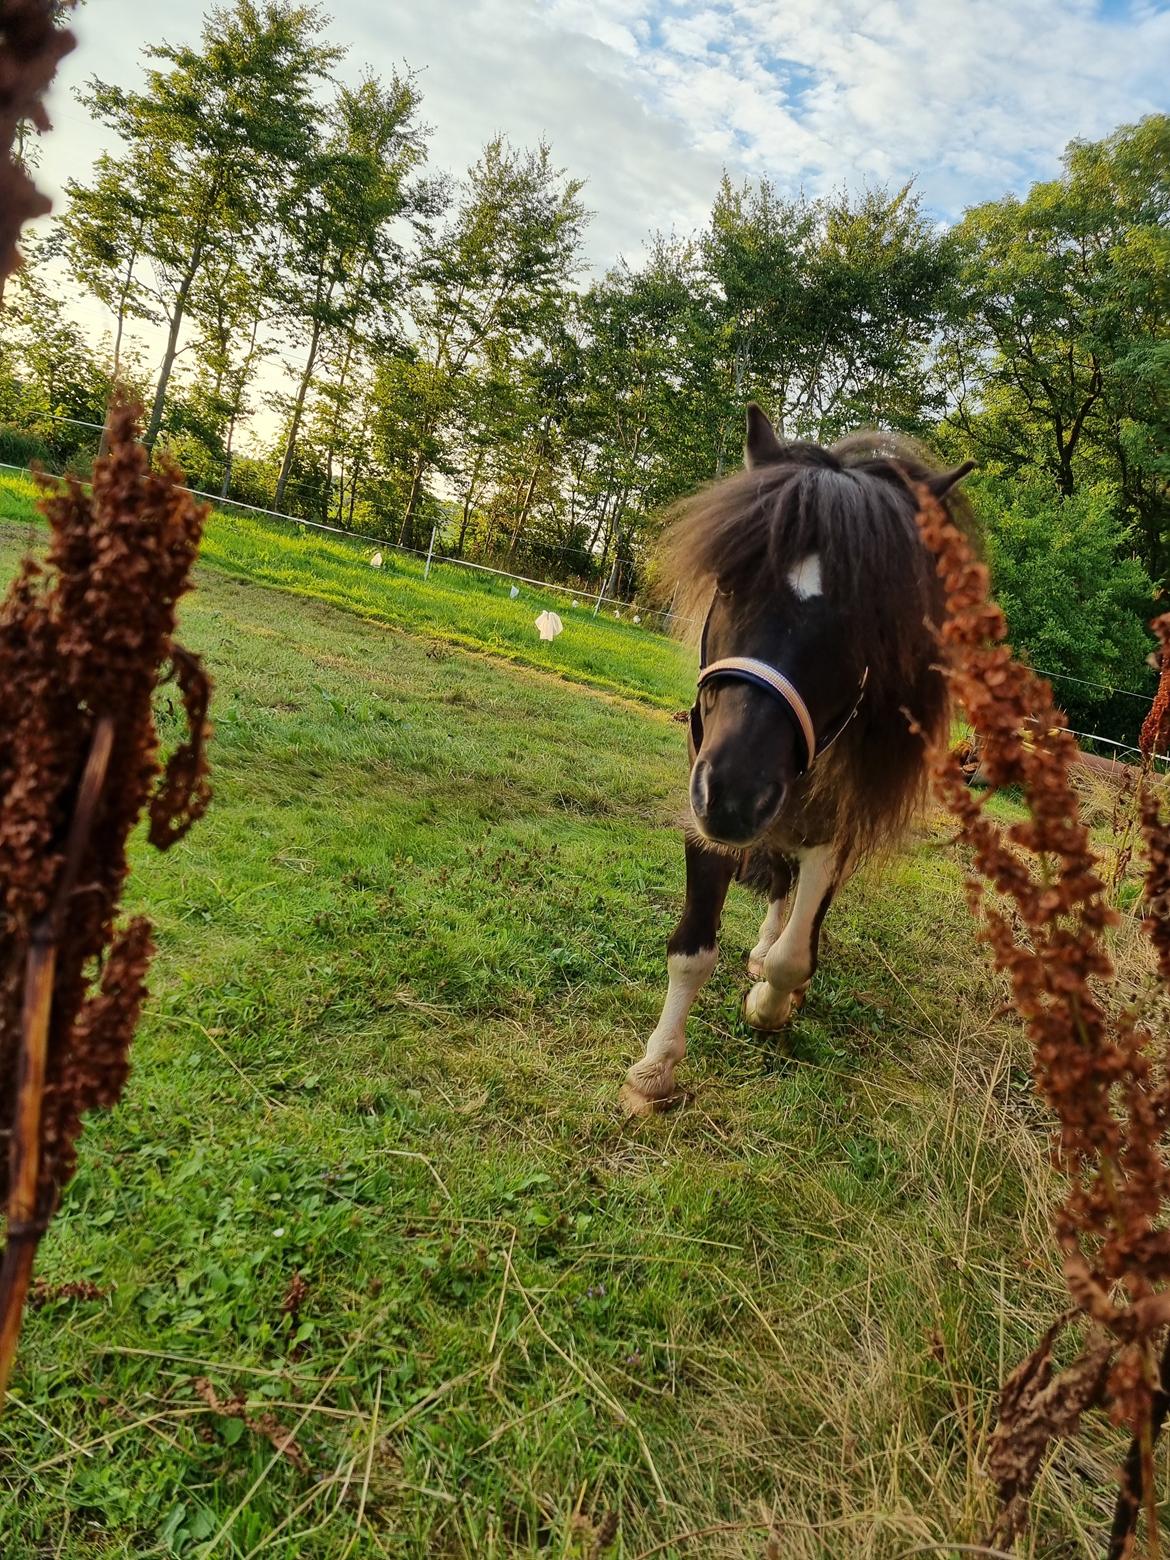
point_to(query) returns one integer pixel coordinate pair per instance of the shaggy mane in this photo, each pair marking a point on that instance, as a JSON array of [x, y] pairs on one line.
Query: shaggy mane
[[853, 505]]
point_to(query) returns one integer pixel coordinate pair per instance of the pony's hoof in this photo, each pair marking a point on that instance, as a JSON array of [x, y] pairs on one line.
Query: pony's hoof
[[763, 1010], [649, 1089], [635, 1103]]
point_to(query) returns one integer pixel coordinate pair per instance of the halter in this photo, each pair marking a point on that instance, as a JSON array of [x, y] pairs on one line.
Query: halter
[[745, 668]]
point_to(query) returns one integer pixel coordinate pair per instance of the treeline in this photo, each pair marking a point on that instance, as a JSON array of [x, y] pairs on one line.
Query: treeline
[[436, 354]]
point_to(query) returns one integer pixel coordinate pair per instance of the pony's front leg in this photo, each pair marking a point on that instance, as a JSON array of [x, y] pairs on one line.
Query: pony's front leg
[[691, 955], [779, 888], [790, 962]]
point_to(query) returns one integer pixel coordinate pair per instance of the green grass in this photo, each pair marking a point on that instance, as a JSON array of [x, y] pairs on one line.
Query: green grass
[[458, 605], [404, 963]]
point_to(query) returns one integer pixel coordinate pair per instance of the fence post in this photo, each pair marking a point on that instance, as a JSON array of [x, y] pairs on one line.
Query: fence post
[[430, 552]]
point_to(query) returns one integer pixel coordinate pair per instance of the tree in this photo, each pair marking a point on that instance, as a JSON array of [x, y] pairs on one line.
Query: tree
[[884, 284], [236, 299], [1061, 360], [650, 405], [344, 260], [56, 382], [824, 310], [756, 255], [216, 137], [1073, 604], [104, 239], [488, 284]]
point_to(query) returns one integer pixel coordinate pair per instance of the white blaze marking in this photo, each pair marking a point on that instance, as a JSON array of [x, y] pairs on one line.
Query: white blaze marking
[[805, 577]]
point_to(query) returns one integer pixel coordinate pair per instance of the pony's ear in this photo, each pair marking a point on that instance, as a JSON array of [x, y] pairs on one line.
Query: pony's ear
[[942, 483], [761, 445]]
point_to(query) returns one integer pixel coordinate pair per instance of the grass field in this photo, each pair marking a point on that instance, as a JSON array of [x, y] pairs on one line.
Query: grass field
[[458, 605], [404, 963]]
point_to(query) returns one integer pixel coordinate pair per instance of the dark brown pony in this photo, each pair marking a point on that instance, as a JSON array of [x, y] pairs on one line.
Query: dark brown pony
[[818, 696]]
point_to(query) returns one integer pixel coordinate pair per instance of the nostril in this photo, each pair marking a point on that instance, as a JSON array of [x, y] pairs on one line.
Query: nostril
[[701, 787], [769, 802]]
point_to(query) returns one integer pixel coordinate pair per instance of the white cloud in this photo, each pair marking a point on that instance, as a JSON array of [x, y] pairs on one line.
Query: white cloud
[[970, 96], [648, 99], [513, 65]]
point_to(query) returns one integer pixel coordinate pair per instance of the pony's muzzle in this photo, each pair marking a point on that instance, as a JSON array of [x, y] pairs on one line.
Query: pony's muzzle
[[728, 812]]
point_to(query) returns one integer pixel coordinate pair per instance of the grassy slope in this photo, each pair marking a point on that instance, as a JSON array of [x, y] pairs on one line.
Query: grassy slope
[[458, 605], [404, 963]]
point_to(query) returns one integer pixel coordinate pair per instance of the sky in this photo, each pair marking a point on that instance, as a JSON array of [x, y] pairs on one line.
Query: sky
[[649, 100]]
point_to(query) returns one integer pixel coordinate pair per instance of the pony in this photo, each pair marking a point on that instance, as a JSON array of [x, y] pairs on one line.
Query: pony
[[819, 696]]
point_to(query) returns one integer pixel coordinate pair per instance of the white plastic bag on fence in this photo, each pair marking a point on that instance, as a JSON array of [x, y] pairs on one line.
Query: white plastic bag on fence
[[514, 592], [549, 625]]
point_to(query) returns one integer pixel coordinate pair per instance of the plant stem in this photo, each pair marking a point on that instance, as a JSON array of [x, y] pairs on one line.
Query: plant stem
[[1137, 1485], [25, 1223], [23, 1232]]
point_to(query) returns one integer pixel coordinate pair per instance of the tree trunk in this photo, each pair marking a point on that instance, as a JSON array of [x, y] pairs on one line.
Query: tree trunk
[[601, 517], [538, 460], [468, 500], [351, 470], [346, 365], [172, 349], [493, 515], [334, 429], [463, 523], [406, 535], [120, 327], [614, 529], [524, 508], [238, 401], [290, 447]]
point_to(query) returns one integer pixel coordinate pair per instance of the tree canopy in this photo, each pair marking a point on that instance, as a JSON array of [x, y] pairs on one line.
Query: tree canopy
[[321, 324]]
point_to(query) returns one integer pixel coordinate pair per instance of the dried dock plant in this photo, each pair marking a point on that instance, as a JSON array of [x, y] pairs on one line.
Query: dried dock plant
[[1100, 1070], [31, 48], [85, 639]]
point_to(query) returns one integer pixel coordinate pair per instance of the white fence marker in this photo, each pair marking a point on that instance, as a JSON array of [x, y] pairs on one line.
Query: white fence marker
[[430, 552]]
